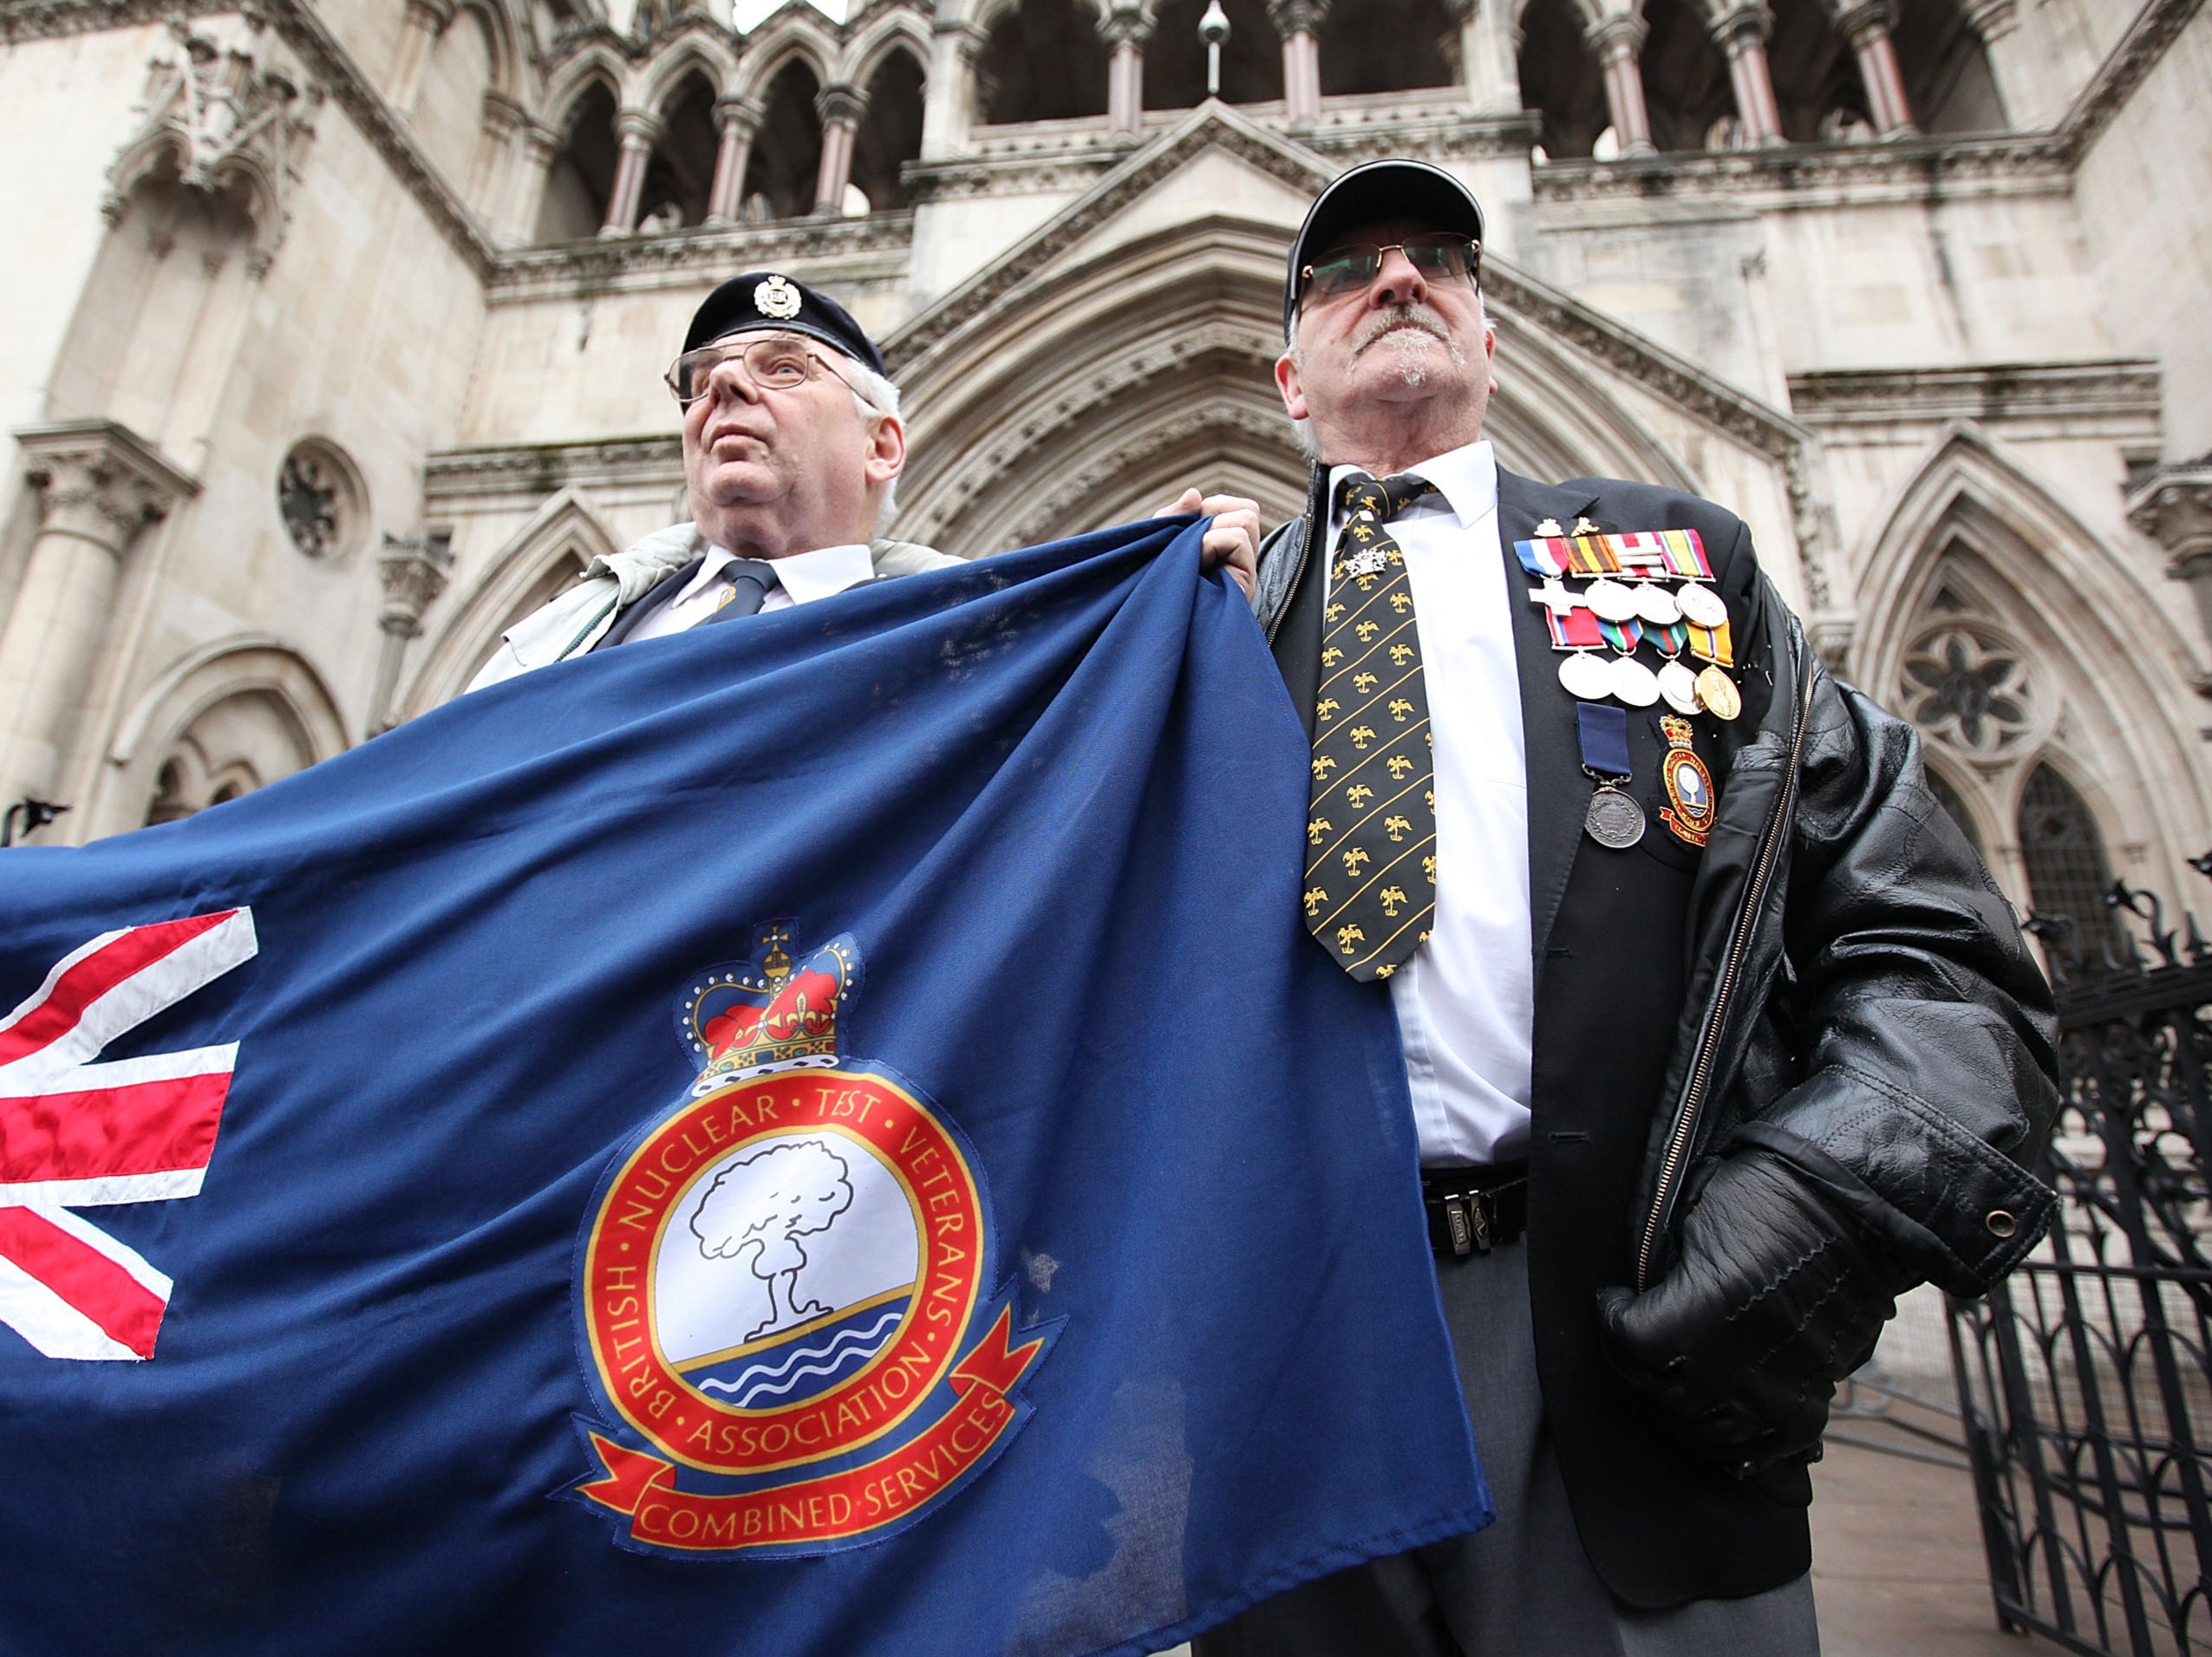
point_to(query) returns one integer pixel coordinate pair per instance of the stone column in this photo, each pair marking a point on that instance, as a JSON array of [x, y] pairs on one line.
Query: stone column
[[1490, 53], [99, 484], [488, 186], [949, 97], [840, 107], [424, 21], [1617, 40], [1298, 24], [1127, 28], [2173, 506], [1742, 34], [2018, 68], [527, 188], [739, 119], [638, 130], [1866, 25], [412, 570]]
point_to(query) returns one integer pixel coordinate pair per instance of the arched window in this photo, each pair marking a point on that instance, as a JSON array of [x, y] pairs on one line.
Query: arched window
[[2068, 873], [680, 179], [1817, 84], [1387, 46], [1947, 82], [583, 176], [779, 178], [1044, 61], [1560, 77], [890, 133], [1174, 60], [241, 743], [1687, 89]]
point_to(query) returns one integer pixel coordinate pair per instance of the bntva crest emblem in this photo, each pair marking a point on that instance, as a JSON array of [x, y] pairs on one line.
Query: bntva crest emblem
[[784, 1288]]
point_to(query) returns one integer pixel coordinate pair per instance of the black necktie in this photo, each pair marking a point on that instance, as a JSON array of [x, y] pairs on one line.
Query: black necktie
[[1370, 893], [750, 580]]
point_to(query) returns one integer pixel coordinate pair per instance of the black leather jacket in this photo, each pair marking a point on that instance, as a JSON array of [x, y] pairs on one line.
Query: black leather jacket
[[1859, 998]]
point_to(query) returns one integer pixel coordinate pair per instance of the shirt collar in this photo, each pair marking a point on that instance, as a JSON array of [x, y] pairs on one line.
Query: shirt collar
[[808, 575], [1466, 478]]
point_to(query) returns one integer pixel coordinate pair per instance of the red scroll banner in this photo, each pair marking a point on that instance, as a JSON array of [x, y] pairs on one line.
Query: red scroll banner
[[783, 1273], [839, 1507]]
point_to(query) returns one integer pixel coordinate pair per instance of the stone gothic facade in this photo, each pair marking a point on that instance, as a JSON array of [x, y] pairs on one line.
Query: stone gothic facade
[[335, 330]]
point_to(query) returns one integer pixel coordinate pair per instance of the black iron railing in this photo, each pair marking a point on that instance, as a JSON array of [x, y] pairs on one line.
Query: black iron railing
[[2085, 1380]]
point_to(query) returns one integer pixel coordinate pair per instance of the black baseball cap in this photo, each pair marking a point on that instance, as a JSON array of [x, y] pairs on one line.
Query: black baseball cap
[[763, 299], [1393, 189]]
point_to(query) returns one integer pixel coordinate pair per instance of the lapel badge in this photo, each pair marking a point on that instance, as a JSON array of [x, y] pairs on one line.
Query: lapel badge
[[1584, 526], [1548, 528], [1689, 811]]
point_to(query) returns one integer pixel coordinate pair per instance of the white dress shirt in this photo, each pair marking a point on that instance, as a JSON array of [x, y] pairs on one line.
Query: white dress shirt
[[801, 577], [1466, 1000]]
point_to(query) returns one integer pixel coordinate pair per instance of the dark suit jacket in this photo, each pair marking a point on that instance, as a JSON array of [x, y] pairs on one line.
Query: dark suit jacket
[[1609, 934]]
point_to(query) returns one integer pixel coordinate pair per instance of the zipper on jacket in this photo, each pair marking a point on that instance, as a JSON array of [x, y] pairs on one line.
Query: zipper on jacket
[[1297, 575], [1686, 1115]]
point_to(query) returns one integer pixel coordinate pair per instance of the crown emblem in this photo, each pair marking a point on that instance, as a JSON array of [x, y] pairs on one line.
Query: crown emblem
[[771, 1012]]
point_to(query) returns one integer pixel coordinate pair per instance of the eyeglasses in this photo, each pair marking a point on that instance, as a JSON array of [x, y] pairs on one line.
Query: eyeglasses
[[1439, 257], [776, 363]]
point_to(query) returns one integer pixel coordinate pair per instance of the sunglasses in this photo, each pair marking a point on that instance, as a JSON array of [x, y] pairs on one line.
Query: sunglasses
[[1439, 257]]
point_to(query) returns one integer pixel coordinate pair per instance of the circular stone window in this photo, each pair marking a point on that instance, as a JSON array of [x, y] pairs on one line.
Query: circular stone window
[[319, 497]]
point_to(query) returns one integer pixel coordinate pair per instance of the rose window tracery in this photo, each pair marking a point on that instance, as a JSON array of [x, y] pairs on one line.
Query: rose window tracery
[[1970, 690], [319, 496]]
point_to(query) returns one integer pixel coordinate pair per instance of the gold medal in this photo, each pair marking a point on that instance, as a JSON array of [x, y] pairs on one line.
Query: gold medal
[[1717, 694]]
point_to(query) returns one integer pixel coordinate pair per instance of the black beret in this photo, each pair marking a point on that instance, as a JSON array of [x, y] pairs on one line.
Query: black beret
[[1377, 190], [763, 299]]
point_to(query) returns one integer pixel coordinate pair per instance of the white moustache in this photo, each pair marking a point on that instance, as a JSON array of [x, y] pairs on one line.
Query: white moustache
[[1398, 317]]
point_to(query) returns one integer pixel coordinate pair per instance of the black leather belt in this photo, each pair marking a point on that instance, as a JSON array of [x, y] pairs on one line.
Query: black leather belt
[[1472, 1210]]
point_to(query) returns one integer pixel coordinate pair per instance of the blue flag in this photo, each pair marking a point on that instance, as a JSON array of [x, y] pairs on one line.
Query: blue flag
[[822, 1136]]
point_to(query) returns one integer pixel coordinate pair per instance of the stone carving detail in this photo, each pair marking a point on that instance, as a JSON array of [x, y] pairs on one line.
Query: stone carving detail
[[218, 103], [319, 499], [1969, 689]]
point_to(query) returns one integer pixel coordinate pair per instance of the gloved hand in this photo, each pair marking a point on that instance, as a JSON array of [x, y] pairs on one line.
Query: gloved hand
[[1736, 1352]]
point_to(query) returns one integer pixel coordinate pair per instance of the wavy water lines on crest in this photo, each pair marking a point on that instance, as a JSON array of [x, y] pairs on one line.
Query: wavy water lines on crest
[[773, 1380]]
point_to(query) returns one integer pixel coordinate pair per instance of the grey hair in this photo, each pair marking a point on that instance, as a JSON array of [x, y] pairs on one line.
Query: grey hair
[[875, 395], [1309, 445]]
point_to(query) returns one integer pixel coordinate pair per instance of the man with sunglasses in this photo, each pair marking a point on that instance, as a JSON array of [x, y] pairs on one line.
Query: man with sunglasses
[[1717, 1034]]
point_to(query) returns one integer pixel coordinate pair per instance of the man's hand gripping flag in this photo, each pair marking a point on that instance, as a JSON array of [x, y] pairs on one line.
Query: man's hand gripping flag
[[78, 1134]]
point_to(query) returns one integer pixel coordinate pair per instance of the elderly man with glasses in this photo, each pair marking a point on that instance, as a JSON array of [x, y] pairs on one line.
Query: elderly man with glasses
[[1717, 1034], [792, 446], [792, 450]]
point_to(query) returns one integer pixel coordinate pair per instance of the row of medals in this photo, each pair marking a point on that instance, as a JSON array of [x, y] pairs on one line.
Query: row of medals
[[1592, 678]]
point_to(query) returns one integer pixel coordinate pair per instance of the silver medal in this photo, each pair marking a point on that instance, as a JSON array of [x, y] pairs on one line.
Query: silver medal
[[1679, 686], [1614, 820], [1702, 605], [1585, 676], [1633, 682], [1612, 601], [1655, 604]]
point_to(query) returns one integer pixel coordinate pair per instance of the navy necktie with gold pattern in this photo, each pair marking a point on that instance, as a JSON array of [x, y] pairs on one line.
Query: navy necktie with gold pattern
[[1370, 894]]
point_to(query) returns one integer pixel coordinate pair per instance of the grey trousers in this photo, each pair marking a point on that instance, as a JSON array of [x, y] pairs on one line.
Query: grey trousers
[[1523, 1587]]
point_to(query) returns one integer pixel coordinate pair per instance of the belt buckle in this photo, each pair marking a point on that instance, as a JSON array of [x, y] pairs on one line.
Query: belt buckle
[[1468, 1220]]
